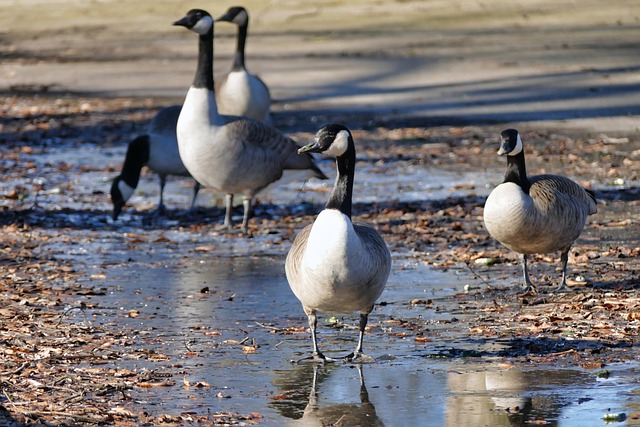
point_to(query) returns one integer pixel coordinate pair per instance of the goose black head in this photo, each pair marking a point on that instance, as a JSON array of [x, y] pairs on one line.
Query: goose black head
[[121, 192], [331, 139], [511, 144], [117, 197], [236, 14], [196, 20]]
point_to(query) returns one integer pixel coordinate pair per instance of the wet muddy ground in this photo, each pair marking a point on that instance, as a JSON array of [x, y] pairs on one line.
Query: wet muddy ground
[[171, 320]]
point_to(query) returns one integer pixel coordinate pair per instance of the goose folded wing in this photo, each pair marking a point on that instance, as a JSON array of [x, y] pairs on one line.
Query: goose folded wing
[[257, 135], [376, 247], [282, 150], [546, 186]]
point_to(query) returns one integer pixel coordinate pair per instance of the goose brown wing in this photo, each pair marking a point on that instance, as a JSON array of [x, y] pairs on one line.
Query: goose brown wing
[[303, 161], [294, 257], [376, 247], [547, 186], [256, 135]]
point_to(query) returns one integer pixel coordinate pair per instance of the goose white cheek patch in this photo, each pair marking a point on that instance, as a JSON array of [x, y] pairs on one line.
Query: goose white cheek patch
[[339, 145], [203, 25], [125, 190], [518, 148]]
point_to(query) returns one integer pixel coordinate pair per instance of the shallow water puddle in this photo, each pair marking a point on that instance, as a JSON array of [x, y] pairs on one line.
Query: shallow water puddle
[[74, 176], [224, 329]]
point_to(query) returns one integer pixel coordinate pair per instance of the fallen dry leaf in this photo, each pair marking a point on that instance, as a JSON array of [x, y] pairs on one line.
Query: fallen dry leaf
[[249, 349], [147, 384], [123, 412]]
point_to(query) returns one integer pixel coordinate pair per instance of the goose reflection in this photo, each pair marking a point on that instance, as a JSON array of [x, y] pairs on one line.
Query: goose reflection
[[489, 395], [485, 397], [300, 402]]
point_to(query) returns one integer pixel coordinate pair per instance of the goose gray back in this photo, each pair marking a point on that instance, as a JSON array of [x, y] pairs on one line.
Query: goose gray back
[[164, 156], [239, 92], [158, 150], [539, 214], [334, 265], [234, 155]]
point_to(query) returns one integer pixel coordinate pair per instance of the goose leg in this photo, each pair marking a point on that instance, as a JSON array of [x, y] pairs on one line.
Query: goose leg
[[196, 188], [192, 207], [246, 203], [228, 198], [564, 258], [358, 356], [529, 287], [160, 211], [316, 356]]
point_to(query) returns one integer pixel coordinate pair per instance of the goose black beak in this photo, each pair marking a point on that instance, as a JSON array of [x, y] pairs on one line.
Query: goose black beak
[[183, 22], [116, 211], [224, 18], [504, 148], [312, 147]]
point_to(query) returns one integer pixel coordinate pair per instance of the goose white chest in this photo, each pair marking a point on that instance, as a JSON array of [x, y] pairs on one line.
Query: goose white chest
[[199, 140], [331, 241], [506, 201], [334, 270], [243, 94], [508, 212]]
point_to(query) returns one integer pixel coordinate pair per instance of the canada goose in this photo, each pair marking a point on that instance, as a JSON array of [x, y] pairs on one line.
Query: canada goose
[[539, 214], [157, 149], [240, 93], [234, 155], [334, 265]]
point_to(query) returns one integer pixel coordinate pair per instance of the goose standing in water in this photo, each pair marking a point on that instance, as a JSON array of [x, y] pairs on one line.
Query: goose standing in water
[[538, 214], [240, 93], [334, 265], [158, 150], [234, 155]]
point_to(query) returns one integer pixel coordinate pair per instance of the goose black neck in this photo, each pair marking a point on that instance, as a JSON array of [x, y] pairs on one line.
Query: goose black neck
[[517, 172], [238, 59], [137, 156], [343, 188], [204, 71]]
